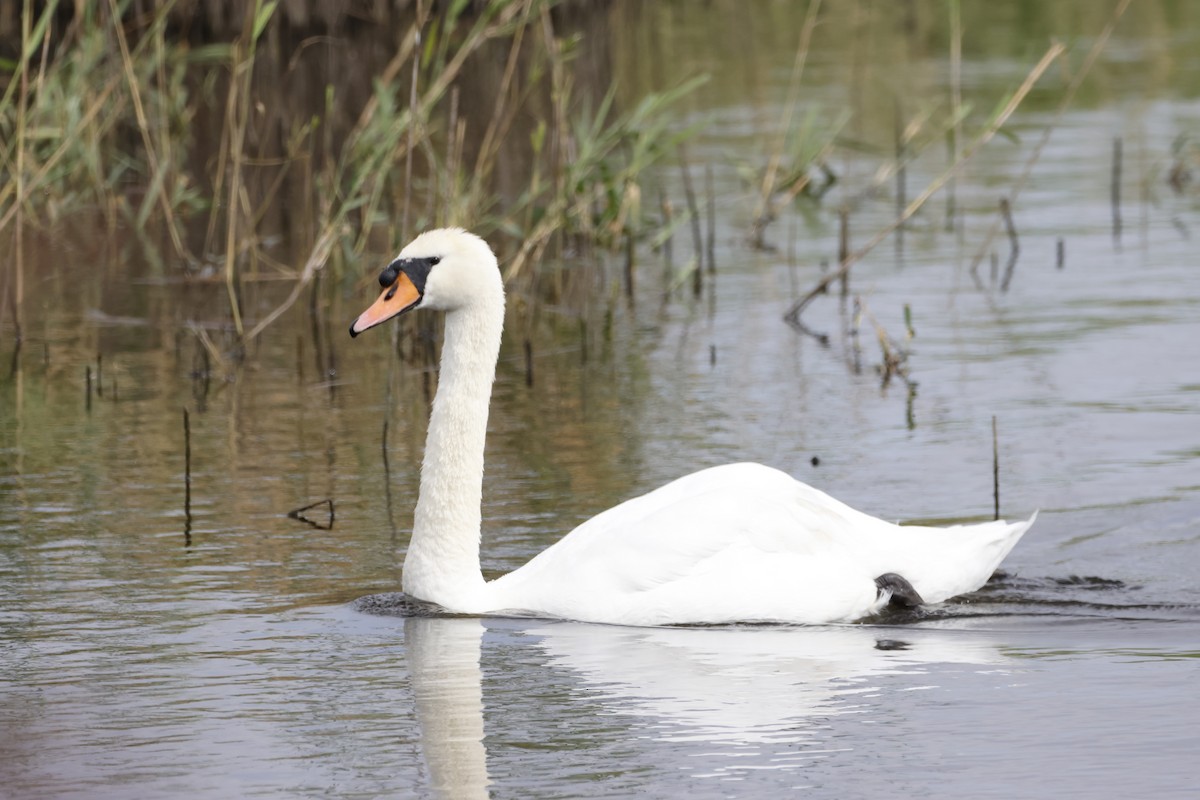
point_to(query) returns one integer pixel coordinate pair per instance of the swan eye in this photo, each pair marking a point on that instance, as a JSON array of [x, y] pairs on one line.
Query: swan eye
[[435, 260]]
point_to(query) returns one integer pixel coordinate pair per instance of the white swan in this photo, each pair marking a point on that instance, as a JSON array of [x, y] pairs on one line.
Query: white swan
[[736, 543]]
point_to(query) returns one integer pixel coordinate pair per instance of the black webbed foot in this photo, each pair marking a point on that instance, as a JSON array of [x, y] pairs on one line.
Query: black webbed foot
[[903, 593]]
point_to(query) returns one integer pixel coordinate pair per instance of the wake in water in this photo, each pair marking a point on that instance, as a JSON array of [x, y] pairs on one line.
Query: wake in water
[[1073, 596], [1005, 595]]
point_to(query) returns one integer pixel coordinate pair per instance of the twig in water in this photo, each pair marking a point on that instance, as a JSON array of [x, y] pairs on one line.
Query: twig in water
[[711, 207], [995, 472], [844, 250], [387, 477], [629, 264], [901, 174], [955, 132], [187, 478], [894, 355], [298, 514], [792, 317], [1116, 191], [855, 346], [528, 363], [87, 391], [1060, 253], [1014, 246], [694, 212], [668, 226]]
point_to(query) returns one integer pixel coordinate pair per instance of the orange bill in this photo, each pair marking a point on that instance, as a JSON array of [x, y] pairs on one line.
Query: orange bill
[[396, 299]]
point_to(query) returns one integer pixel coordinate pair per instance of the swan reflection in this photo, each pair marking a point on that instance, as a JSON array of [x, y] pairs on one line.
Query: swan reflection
[[754, 687], [745, 684], [443, 662]]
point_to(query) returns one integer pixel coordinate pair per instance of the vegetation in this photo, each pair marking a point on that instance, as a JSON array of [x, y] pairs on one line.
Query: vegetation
[[262, 155], [113, 113]]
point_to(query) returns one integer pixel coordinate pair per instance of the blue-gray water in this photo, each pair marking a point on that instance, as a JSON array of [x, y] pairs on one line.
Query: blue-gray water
[[146, 655]]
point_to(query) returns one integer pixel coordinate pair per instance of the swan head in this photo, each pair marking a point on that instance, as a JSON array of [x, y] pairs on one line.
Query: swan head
[[444, 269]]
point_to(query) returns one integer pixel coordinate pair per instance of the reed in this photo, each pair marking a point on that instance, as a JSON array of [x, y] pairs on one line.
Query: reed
[[187, 475], [995, 471], [1014, 245], [900, 144], [1117, 160], [111, 114], [954, 132], [697, 264], [710, 233], [70, 149]]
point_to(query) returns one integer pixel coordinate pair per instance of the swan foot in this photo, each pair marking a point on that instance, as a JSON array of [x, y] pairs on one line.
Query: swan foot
[[903, 595]]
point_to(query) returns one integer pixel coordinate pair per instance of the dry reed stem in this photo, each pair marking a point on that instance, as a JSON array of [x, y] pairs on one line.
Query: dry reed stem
[[710, 238], [237, 119], [213, 354], [504, 113], [538, 239], [412, 128], [1014, 244], [1116, 190], [144, 126], [901, 150], [668, 223], [18, 297], [995, 471], [316, 260], [694, 218], [955, 106], [187, 470]]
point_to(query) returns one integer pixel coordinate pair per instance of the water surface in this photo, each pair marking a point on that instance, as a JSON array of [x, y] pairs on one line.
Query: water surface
[[148, 653]]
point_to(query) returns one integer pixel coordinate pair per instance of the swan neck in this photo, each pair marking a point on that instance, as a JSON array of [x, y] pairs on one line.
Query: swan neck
[[442, 563]]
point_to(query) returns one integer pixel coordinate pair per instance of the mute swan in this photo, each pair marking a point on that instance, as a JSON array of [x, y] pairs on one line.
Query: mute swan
[[735, 543]]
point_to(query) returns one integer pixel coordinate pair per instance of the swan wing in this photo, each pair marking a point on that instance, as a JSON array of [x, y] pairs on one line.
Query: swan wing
[[745, 542], [733, 543]]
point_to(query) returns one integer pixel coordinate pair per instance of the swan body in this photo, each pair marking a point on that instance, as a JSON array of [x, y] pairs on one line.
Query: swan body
[[734, 543]]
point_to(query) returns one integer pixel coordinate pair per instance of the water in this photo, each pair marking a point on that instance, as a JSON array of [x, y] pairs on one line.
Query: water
[[143, 654]]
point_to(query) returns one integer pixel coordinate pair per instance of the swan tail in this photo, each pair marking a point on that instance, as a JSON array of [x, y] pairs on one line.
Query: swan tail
[[957, 560]]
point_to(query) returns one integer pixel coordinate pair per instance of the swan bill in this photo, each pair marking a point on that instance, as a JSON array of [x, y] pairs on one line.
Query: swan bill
[[401, 296]]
